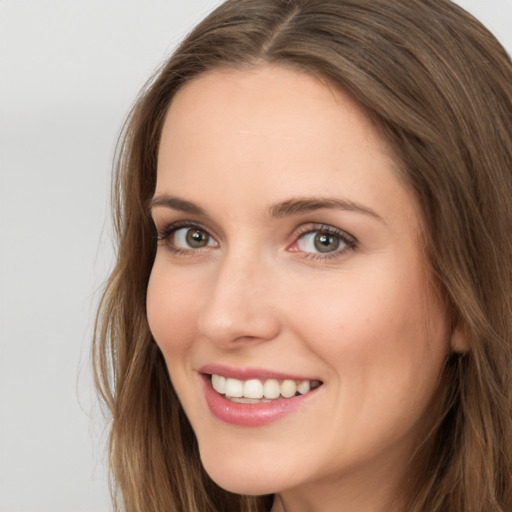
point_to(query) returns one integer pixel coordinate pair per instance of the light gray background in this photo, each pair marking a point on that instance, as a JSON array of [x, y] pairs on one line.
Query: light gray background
[[69, 71]]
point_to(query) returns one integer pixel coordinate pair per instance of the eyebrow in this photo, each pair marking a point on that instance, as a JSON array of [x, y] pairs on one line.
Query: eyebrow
[[176, 204], [308, 204], [290, 207]]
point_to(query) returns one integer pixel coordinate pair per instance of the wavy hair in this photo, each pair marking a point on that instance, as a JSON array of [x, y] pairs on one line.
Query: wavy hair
[[438, 86]]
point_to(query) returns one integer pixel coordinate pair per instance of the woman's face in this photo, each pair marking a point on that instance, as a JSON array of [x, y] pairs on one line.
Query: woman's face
[[290, 259]]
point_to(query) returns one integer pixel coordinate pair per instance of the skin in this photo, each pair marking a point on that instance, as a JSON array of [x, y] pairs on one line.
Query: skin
[[363, 319]]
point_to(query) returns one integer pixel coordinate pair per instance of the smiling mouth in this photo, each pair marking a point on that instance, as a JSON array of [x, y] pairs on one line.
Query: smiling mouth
[[256, 391]]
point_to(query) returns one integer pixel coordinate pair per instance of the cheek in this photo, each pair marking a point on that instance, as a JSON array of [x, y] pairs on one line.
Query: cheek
[[171, 310], [376, 327], [384, 349]]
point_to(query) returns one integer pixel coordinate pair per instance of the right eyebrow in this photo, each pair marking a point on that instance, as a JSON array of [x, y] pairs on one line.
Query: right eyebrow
[[176, 204]]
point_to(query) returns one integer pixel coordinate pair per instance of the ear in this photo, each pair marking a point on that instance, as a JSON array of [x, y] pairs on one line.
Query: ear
[[459, 340]]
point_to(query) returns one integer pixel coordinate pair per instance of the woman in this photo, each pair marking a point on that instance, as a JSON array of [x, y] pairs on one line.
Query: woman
[[311, 304]]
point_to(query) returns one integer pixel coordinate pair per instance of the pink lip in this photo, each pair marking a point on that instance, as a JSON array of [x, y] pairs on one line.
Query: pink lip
[[250, 415], [249, 373]]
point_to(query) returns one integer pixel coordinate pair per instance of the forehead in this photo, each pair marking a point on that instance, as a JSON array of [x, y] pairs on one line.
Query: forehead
[[275, 131], [279, 100]]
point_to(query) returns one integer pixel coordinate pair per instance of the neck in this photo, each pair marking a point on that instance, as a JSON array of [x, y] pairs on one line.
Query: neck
[[355, 499]]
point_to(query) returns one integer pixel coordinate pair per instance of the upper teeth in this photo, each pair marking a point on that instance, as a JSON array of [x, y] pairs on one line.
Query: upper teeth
[[256, 389]]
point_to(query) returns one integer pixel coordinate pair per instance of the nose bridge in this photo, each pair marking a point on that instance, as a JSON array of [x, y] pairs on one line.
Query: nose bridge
[[238, 305]]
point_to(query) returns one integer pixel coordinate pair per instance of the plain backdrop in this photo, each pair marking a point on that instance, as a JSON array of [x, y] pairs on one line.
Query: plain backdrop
[[69, 71]]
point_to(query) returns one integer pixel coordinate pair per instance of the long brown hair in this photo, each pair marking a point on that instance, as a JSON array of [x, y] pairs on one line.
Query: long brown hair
[[438, 86]]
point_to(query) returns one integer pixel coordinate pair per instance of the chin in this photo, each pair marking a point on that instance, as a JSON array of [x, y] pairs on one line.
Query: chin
[[236, 475], [251, 485]]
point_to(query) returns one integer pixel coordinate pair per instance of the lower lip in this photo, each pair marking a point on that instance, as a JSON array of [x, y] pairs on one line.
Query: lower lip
[[251, 415]]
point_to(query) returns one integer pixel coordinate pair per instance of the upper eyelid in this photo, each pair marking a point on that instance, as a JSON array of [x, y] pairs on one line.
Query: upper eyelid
[[171, 227], [179, 224], [163, 222], [319, 227]]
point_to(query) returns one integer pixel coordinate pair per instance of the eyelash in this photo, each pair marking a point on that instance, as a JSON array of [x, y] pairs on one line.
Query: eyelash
[[348, 240]]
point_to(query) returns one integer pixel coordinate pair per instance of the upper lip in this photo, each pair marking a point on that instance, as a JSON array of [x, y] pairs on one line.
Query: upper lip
[[247, 373]]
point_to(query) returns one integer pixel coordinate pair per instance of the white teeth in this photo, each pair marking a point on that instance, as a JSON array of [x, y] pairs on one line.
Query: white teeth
[[256, 391], [219, 383], [253, 389], [234, 388], [288, 388], [304, 387], [271, 389]]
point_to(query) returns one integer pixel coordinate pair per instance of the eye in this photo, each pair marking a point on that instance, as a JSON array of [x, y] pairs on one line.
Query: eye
[[319, 242], [323, 241], [184, 238], [191, 238]]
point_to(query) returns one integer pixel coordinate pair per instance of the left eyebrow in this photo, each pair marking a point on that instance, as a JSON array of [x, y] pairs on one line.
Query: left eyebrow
[[300, 205]]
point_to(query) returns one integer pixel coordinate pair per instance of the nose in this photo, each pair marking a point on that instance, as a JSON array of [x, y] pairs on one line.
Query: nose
[[238, 306]]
